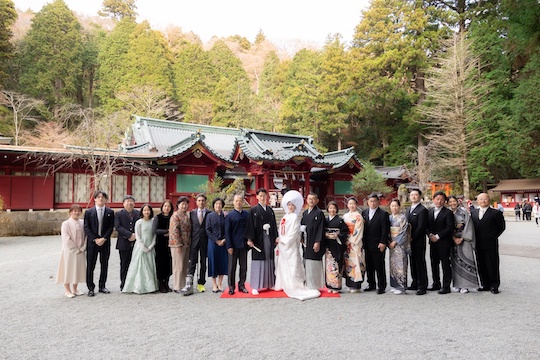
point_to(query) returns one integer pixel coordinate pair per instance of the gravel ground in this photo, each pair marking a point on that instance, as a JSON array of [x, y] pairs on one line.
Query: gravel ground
[[39, 322]]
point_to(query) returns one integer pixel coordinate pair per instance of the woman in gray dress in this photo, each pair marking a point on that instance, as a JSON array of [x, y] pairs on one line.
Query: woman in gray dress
[[400, 248], [464, 271]]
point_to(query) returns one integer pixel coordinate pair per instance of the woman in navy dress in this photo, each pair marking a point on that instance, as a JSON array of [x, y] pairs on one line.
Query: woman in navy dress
[[217, 252]]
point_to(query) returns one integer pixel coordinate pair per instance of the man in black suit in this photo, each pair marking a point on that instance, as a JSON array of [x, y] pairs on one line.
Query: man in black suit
[[199, 244], [98, 227], [417, 215], [441, 229], [489, 224], [376, 235], [124, 222]]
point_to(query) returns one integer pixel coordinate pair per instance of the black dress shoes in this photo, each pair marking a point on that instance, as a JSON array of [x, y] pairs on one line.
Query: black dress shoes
[[444, 290], [421, 292], [484, 288], [494, 290], [434, 287], [231, 291], [91, 293], [380, 291], [370, 288], [412, 287], [104, 290], [243, 289]]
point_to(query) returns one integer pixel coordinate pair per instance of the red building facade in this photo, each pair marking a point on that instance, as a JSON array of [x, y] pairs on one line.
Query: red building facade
[[182, 157]]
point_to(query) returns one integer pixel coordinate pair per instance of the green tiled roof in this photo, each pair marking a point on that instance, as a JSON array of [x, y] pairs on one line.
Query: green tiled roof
[[169, 138]]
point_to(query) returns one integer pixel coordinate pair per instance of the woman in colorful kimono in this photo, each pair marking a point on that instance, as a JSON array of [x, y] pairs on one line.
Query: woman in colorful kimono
[[336, 233], [355, 263], [400, 248], [464, 271]]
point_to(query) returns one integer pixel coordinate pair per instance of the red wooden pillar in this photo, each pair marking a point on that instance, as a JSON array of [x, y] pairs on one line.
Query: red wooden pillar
[[306, 185], [266, 180]]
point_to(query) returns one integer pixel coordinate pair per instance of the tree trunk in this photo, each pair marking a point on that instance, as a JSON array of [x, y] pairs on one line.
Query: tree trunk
[[423, 176]]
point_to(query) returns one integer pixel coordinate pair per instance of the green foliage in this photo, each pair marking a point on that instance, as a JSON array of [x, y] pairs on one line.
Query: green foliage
[[260, 38], [368, 181], [232, 99], [148, 61], [8, 15], [195, 80], [242, 41], [51, 59], [112, 58], [214, 189], [118, 9], [300, 111], [390, 48]]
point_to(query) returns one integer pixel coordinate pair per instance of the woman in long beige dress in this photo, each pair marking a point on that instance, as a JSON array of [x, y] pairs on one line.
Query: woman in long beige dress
[[72, 267]]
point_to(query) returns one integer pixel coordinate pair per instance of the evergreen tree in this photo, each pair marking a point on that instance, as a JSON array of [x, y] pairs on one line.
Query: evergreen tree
[[270, 97], [119, 9], [389, 54], [195, 79], [334, 92], [8, 15], [112, 58], [302, 93], [148, 61], [233, 102], [51, 59]]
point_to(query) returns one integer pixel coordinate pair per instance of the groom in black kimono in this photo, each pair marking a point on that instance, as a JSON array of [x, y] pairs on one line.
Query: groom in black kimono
[[313, 226]]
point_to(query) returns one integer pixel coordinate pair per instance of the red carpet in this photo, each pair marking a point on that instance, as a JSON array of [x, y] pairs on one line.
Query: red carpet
[[266, 294]]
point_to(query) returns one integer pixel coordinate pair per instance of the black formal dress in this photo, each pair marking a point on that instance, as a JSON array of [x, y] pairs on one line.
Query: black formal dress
[[124, 223], [439, 251], [418, 218], [91, 230], [376, 231], [163, 252], [487, 231]]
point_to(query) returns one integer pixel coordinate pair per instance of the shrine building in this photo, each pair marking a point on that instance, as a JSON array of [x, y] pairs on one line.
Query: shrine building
[[183, 157]]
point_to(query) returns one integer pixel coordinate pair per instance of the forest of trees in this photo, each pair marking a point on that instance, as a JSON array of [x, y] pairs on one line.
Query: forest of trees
[[448, 87]]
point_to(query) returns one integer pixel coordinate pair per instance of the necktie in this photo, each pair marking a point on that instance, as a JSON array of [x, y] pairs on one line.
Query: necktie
[[100, 220], [200, 216], [481, 213]]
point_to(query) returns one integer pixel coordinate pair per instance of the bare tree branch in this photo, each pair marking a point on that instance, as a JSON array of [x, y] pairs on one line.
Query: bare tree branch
[[21, 105]]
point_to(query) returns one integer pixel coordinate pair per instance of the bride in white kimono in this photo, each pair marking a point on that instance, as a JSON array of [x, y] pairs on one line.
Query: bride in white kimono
[[290, 273]]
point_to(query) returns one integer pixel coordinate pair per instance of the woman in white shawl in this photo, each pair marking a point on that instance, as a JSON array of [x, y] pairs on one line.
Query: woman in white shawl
[[464, 270], [290, 273]]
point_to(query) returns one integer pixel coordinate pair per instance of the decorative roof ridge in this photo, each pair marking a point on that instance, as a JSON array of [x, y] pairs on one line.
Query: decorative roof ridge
[[148, 135], [256, 141], [187, 126], [342, 151], [306, 138], [192, 140], [131, 148], [76, 147]]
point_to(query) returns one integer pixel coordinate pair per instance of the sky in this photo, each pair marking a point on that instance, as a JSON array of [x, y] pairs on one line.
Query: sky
[[280, 20]]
